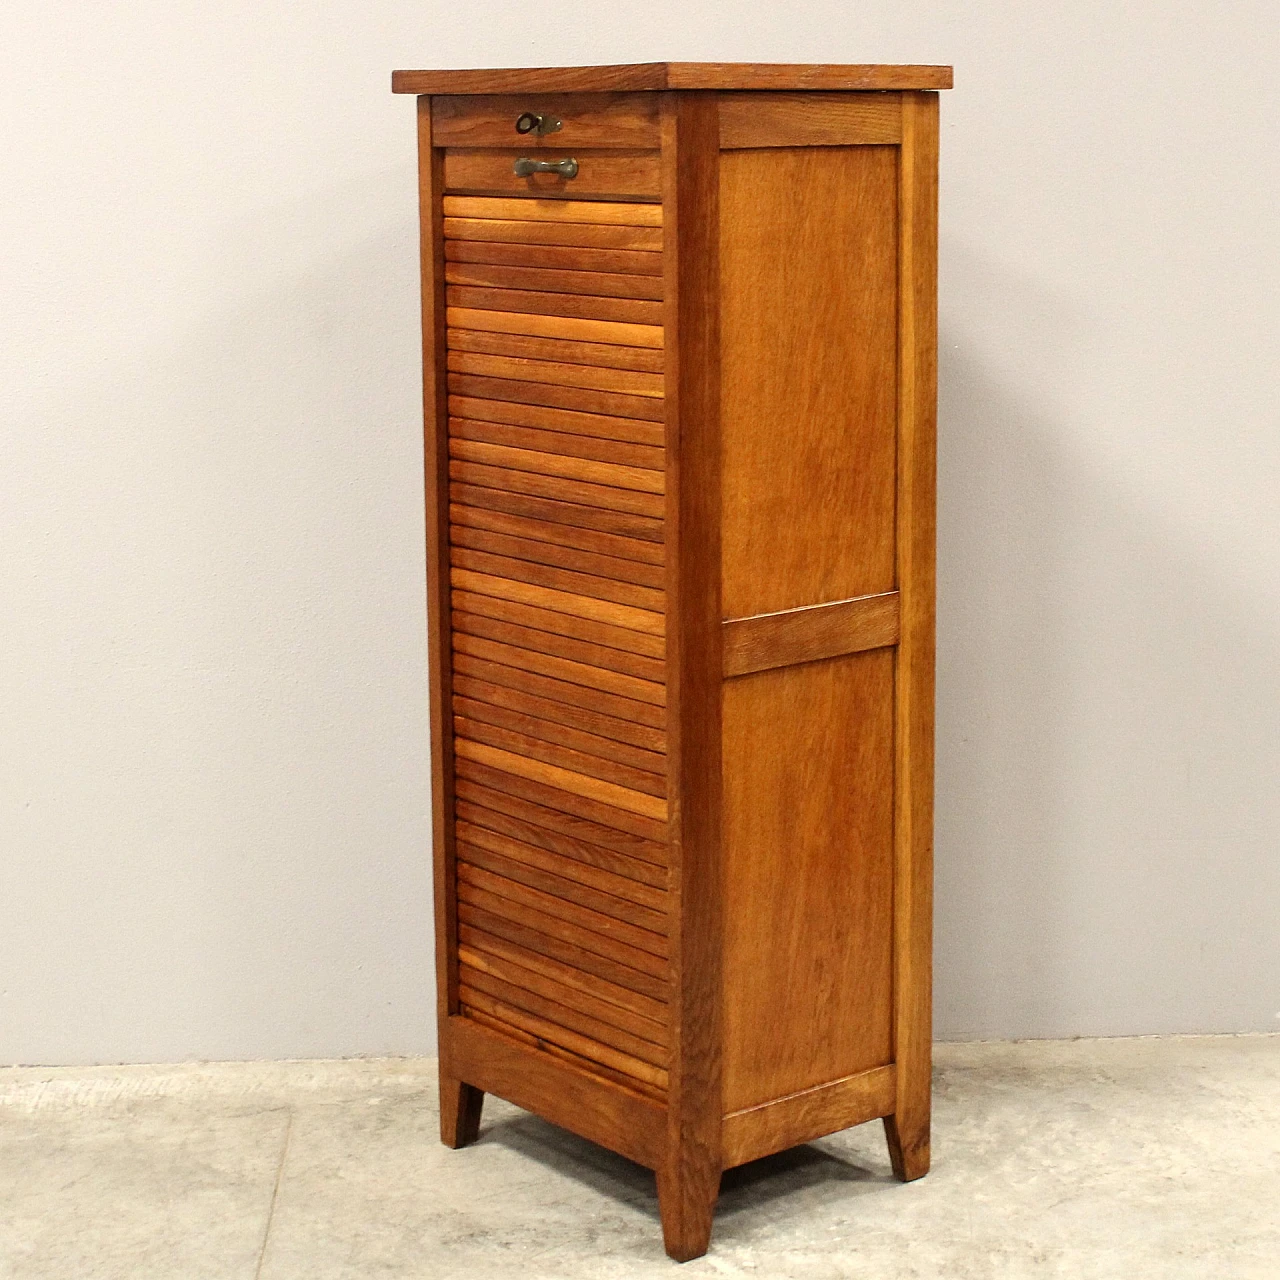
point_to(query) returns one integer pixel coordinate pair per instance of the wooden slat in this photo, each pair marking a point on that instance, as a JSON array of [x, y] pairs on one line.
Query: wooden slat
[[596, 284], [558, 555], [559, 1056], [786, 1122], [806, 635], [571, 1098], [552, 753], [543, 977], [560, 646], [601, 173], [547, 1030], [809, 120], [553, 797], [550, 531], [611, 213], [644, 946], [547, 936], [472, 684], [574, 515], [579, 399], [640, 479], [584, 584], [563, 832], [600, 355], [558, 488], [619, 333], [644, 1009], [620, 452], [575, 305], [556, 256], [614, 615], [589, 377], [565, 779], [537, 869], [601, 119], [639, 881], [563, 624], [573, 1018], [574, 234], [648, 694], [561, 421]]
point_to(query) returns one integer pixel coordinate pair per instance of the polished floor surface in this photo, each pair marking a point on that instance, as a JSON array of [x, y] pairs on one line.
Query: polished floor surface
[[1078, 1159]]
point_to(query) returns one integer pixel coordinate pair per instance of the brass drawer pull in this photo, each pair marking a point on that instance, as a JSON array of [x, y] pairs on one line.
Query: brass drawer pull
[[531, 122], [567, 168]]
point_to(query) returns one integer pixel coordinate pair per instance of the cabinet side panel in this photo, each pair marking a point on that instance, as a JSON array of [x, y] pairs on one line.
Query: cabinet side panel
[[809, 351], [808, 875]]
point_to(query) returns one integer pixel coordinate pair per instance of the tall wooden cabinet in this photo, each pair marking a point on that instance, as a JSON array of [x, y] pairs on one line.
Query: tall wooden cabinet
[[679, 376]]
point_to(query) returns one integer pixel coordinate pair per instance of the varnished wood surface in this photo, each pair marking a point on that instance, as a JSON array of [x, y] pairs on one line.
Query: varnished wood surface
[[578, 330], [586, 120], [560, 256], [808, 875], [672, 75], [809, 119], [806, 635], [689, 1179], [908, 1130], [528, 209], [567, 1095], [800, 1117], [810, 338], [601, 174]]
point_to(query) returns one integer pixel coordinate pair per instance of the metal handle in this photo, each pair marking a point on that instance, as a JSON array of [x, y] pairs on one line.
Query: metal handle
[[532, 122], [567, 168]]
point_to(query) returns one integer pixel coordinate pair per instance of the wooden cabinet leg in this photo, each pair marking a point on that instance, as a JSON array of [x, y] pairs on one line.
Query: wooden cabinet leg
[[908, 1140], [460, 1106], [687, 1202]]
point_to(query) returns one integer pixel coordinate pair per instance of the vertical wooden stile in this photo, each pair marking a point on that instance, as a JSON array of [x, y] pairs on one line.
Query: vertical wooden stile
[[689, 1178], [908, 1128]]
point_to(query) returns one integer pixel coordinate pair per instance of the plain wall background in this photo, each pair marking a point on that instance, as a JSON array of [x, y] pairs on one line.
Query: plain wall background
[[213, 787]]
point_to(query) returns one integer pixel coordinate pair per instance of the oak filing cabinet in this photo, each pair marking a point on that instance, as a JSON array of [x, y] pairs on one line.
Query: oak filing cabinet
[[679, 374]]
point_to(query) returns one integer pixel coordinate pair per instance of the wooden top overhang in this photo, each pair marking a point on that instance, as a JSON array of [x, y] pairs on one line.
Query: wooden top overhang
[[630, 77]]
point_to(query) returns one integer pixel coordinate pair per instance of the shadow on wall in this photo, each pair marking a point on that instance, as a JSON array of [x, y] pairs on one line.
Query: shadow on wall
[[1108, 711]]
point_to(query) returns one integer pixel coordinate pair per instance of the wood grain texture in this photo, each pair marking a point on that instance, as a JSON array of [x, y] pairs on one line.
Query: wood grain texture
[[809, 119], [564, 580], [576, 399], [557, 372], [809, 352], [626, 77], [688, 1181], [562, 421], [808, 876], [526, 209], [521, 526], [581, 560], [774, 1126], [551, 642], [578, 330], [908, 1130], [540, 484], [555, 256], [596, 355], [586, 120], [605, 284], [809, 634], [460, 1109], [629, 175], [591, 1107], [600, 448], [573, 514], [573, 305], [614, 615], [586, 234]]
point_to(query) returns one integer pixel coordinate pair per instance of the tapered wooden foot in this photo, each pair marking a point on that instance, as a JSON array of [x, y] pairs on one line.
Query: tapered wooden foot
[[908, 1147], [687, 1203], [460, 1107]]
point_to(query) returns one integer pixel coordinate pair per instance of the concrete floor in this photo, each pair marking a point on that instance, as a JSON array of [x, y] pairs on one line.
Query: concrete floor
[[1081, 1159]]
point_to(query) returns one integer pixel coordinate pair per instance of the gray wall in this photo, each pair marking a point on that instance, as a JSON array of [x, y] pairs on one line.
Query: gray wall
[[213, 780]]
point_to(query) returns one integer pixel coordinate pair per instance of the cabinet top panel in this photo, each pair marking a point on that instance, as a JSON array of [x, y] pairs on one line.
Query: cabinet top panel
[[672, 75]]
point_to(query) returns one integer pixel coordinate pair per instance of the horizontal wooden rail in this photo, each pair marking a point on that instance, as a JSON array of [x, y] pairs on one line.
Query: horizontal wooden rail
[[817, 631]]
